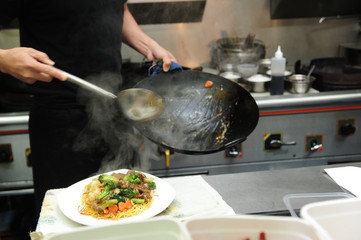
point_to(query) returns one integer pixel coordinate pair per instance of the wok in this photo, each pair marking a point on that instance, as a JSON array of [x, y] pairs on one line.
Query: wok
[[196, 119]]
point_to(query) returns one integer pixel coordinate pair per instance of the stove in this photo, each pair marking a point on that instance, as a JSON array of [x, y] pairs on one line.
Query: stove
[[15, 166], [293, 131]]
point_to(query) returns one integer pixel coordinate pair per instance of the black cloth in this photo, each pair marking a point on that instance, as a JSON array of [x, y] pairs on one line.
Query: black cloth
[[72, 131]]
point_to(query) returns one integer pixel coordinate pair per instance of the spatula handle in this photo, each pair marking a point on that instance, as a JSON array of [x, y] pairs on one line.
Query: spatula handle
[[87, 85]]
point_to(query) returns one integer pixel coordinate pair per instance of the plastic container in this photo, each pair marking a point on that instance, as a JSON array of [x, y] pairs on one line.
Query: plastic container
[[151, 229], [278, 68], [335, 219], [249, 226], [294, 202]]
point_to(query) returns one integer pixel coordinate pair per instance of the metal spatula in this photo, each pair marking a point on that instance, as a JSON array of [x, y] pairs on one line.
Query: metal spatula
[[138, 104]]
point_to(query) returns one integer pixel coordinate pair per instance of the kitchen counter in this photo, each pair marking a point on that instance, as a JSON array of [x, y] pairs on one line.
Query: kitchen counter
[[262, 192], [247, 193]]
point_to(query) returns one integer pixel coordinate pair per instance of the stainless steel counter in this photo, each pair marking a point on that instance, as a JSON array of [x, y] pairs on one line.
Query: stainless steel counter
[[262, 192], [310, 99]]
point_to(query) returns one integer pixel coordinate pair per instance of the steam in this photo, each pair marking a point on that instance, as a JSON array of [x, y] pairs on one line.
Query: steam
[[108, 130]]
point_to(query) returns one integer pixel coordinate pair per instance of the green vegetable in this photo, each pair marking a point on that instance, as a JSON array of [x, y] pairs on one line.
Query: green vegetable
[[151, 185], [108, 185], [118, 197], [138, 200], [106, 178], [127, 192], [133, 178], [149, 179], [108, 203]]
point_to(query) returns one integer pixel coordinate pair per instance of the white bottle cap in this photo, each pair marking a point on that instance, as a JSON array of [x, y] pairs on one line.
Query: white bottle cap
[[279, 54]]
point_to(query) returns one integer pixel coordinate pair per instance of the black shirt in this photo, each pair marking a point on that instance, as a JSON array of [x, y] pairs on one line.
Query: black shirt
[[82, 37]]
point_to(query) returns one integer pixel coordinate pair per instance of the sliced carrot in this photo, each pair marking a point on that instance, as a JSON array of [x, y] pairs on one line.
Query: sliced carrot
[[113, 208], [121, 206], [106, 210], [208, 84], [128, 204]]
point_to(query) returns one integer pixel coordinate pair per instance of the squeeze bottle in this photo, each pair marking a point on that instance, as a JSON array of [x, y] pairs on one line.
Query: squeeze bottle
[[278, 68]]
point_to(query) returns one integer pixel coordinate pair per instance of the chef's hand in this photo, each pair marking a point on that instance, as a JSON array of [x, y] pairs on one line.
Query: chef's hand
[[158, 52], [28, 65]]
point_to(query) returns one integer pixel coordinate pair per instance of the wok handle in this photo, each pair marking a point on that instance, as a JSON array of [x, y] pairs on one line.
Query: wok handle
[[230, 144], [87, 85]]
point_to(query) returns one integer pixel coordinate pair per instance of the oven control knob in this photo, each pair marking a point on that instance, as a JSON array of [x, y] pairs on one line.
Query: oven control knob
[[6, 154], [5, 157], [347, 129], [315, 146]]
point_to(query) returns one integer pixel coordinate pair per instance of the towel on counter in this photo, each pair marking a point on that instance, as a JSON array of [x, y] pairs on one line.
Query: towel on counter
[[194, 198]]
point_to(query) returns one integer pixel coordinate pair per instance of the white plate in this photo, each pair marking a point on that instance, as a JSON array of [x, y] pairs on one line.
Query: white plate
[[70, 199]]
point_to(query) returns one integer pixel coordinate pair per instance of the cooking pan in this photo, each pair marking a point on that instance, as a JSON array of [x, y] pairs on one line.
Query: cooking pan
[[196, 119]]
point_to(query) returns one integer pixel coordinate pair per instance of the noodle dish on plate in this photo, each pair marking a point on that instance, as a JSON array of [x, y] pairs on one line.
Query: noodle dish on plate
[[115, 197]]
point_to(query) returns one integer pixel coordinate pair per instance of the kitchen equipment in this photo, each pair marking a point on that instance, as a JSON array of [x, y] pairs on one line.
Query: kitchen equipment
[[330, 121], [278, 68], [231, 52], [294, 202], [233, 76], [250, 227], [326, 218], [259, 83], [137, 104], [197, 119], [161, 228], [264, 65], [333, 74], [247, 69], [299, 83], [351, 52], [310, 71]]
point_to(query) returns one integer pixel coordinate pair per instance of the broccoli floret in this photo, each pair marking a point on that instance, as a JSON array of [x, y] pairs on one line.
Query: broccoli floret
[[151, 185], [127, 192], [133, 178], [106, 178], [108, 185], [108, 203], [118, 197]]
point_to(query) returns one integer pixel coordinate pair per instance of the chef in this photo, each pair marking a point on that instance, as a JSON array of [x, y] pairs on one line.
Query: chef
[[82, 37]]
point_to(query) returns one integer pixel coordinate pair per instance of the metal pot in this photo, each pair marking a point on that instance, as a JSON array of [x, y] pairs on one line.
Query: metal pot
[[232, 52], [299, 83], [259, 83]]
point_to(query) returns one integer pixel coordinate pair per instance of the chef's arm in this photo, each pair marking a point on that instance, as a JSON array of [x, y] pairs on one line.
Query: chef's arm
[[134, 36], [28, 65]]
